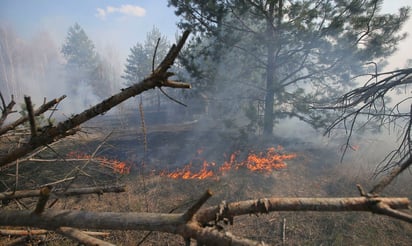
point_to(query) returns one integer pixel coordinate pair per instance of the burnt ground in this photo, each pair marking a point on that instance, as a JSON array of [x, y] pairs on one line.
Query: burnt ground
[[316, 171]]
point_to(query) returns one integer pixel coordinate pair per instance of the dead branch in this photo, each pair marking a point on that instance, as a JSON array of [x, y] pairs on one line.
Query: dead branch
[[6, 109], [37, 112], [6, 232], [158, 78], [81, 236], [30, 114], [266, 205], [386, 180], [60, 193], [212, 236], [18, 241], [178, 224], [370, 101], [44, 197]]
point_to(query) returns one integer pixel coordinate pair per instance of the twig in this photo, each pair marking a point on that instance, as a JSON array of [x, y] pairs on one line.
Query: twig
[[385, 209], [7, 232], [143, 127], [154, 54], [171, 98], [82, 237], [6, 109], [284, 231], [17, 241]]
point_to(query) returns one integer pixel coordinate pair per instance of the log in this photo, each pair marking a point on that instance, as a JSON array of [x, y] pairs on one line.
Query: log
[[70, 192], [265, 205], [169, 222]]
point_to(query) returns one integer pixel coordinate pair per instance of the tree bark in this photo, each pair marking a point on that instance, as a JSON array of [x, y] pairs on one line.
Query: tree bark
[[188, 227], [270, 67], [266, 205]]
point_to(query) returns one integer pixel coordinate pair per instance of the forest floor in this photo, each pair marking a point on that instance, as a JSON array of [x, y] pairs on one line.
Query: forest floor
[[315, 171]]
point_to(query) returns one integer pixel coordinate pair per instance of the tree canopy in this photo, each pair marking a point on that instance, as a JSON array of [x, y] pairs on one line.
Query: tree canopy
[[78, 49], [140, 60], [287, 54]]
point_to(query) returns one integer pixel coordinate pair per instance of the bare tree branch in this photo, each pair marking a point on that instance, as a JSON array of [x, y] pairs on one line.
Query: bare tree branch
[[370, 101], [158, 78], [60, 193], [37, 112], [81, 236], [178, 224], [6, 109]]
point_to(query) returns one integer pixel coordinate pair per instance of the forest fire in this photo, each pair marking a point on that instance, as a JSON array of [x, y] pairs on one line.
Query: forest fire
[[264, 162], [116, 165]]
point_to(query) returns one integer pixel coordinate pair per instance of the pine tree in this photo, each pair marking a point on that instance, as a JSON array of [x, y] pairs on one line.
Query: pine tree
[[82, 64], [288, 53], [139, 62], [79, 50]]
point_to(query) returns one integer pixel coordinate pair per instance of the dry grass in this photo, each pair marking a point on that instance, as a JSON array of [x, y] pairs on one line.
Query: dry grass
[[312, 173]]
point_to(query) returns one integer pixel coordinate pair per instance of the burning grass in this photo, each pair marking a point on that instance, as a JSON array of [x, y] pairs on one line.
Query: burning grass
[[263, 162]]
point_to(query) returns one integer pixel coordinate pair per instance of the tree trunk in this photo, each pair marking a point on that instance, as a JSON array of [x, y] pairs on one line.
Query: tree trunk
[[268, 119], [270, 67]]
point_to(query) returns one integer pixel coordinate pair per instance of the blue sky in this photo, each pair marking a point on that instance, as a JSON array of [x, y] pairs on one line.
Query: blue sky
[[119, 24]]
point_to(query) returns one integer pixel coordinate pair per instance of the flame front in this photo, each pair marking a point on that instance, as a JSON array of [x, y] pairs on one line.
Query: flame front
[[186, 172], [268, 161], [264, 162]]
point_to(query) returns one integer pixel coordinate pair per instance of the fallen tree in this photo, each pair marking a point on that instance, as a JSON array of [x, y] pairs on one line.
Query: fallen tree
[[197, 223]]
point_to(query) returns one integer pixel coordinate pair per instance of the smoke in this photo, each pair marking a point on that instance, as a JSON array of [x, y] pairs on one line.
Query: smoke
[[35, 67]]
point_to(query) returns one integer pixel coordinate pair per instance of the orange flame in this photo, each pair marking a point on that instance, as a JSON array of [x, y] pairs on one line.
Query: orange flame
[[186, 172], [116, 165], [264, 162], [268, 161]]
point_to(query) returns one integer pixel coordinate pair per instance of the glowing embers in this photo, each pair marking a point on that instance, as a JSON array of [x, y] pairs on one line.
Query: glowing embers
[[116, 165], [264, 162]]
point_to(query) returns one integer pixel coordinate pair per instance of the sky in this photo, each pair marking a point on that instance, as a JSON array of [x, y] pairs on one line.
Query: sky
[[120, 24]]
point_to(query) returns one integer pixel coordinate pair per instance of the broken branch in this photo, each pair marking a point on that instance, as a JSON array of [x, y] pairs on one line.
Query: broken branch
[[43, 108], [158, 78], [30, 115], [6, 109], [44, 197], [70, 192], [81, 236]]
